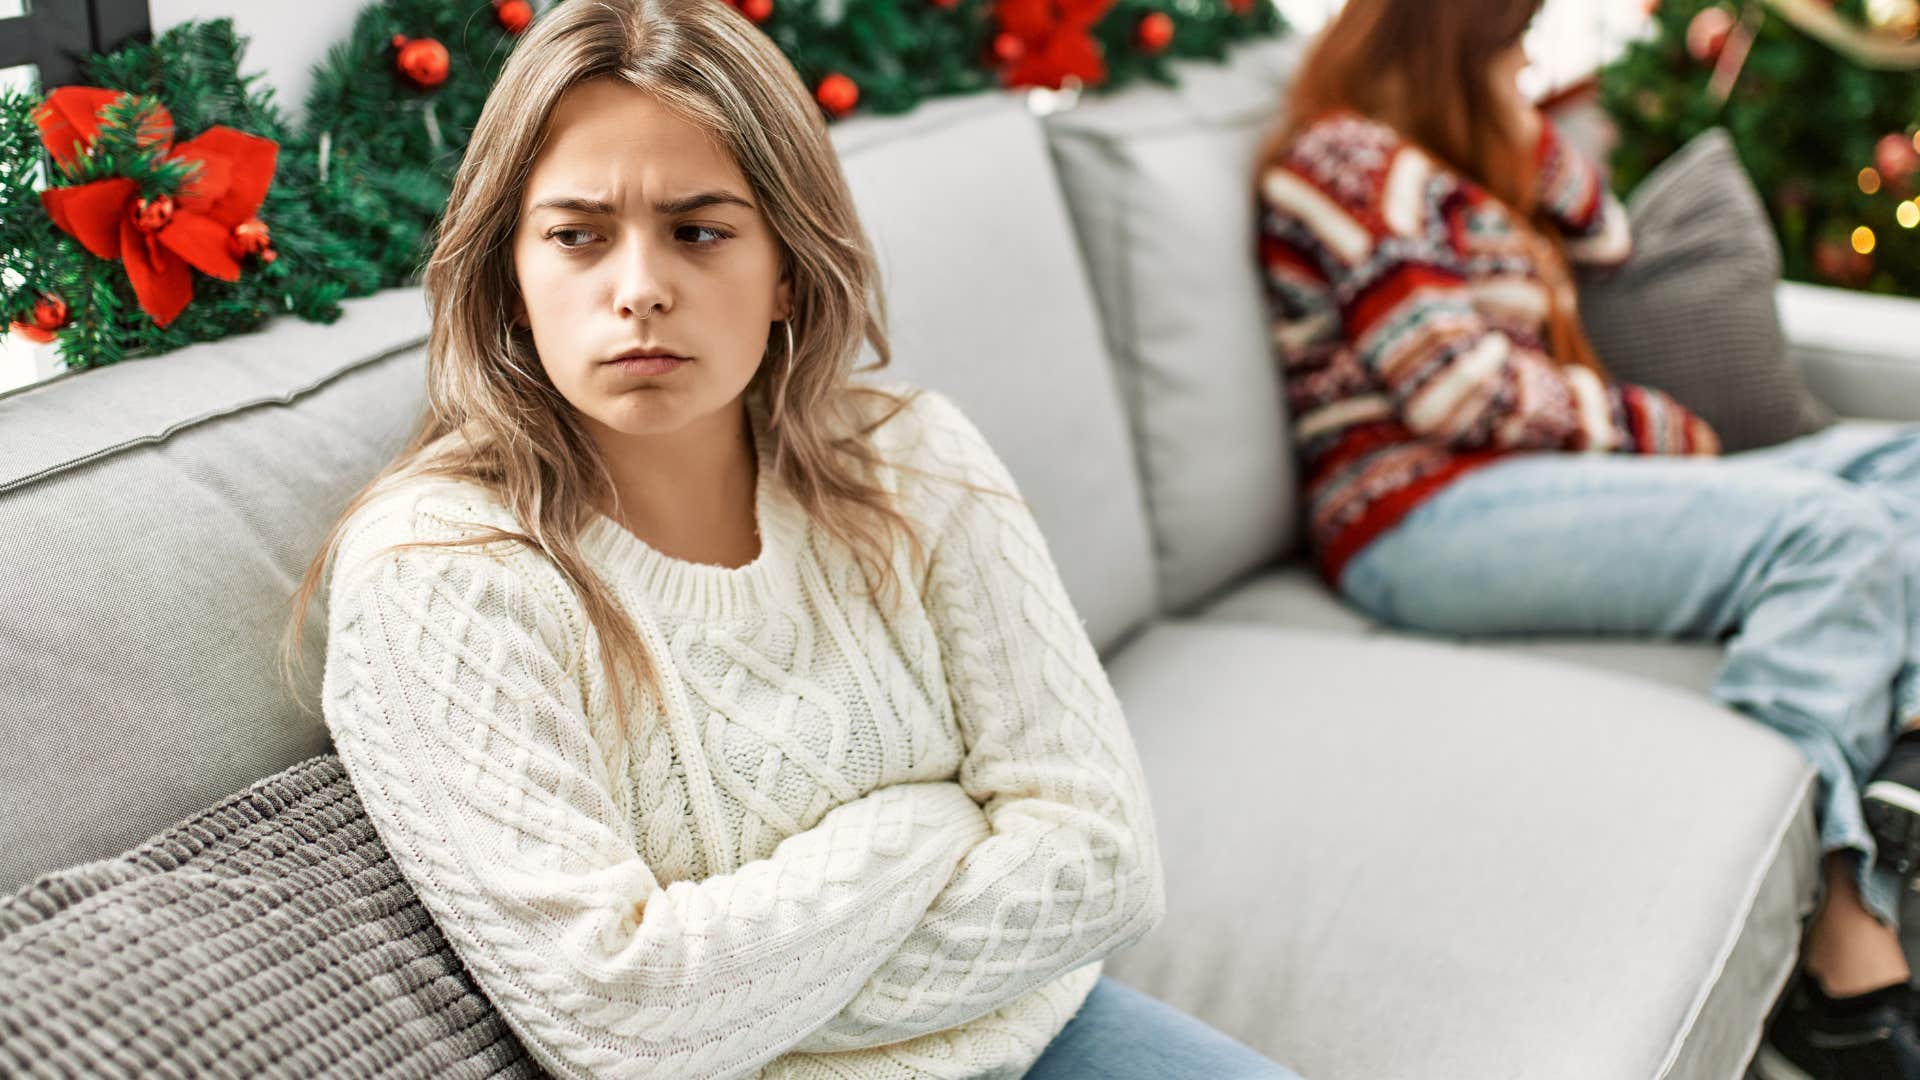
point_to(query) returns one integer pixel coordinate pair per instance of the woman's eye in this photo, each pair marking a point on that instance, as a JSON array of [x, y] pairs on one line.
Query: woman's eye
[[557, 233], [700, 235]]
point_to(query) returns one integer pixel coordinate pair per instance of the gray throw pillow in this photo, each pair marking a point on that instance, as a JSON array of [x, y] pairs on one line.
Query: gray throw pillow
[[269, 935], [1692, 311]]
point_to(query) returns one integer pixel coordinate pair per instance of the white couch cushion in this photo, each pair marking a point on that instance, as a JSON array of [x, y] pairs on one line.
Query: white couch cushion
[[1160, 183], [988, 302], [1388, 858]]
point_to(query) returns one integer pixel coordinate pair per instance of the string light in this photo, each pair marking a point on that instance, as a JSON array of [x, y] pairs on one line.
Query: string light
[[1863, 240], [1869, 180], [1907, 214]]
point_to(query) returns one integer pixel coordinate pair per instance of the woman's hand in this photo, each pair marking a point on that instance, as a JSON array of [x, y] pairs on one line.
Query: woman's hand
[[1706, 442]]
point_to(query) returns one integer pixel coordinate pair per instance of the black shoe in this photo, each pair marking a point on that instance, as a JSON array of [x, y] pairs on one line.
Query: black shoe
[[1872, 1037], [1892, 805]]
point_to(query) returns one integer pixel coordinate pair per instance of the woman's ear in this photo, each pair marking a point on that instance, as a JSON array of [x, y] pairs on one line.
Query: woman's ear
[[783, 299]]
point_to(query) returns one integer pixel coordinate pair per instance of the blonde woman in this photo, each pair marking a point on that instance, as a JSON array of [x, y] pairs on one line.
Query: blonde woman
[[729, 719]]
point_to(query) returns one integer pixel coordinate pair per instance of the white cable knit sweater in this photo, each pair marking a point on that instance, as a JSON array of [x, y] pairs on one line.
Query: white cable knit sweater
[[860, 845]]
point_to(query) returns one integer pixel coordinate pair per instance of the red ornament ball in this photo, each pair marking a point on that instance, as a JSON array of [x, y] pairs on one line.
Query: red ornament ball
[[1155, 32], [837, 94], [1707, 34], [49, 314], [1008, 47], [424, 61], [514, 15], [1896, 159], [1835, 259], [152, 215], [250, 237], [757, 10]]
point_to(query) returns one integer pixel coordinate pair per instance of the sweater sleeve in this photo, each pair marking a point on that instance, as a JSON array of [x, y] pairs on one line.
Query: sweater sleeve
[[1571, 192], [1071, 872], [1400, 299], [452, 705]]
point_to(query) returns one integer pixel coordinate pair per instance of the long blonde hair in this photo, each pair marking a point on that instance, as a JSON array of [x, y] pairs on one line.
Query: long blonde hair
[[520, 439]]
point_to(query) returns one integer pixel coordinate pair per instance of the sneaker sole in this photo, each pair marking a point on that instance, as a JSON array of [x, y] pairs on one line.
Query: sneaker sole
[[1770, 1064], [1893, 815]]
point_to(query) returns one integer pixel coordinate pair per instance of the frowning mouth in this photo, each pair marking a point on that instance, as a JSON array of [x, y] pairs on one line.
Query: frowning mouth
[[648, 361]]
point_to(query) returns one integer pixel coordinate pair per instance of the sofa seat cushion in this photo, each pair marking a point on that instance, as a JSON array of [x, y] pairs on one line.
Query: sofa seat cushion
[[1293, 596], [270, 934], [1398, 858]]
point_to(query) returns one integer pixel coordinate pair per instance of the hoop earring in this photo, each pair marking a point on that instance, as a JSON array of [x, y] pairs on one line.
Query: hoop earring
[[786, 375]]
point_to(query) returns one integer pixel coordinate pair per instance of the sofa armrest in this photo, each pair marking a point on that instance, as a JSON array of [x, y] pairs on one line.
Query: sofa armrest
[[1860, 352]]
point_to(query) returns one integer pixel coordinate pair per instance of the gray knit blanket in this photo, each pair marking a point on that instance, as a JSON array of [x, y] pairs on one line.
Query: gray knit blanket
[[270, 935]]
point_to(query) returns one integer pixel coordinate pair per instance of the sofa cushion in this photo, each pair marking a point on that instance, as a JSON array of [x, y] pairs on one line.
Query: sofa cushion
[[1693, 310], [158, 513], [988, 302], [269, 935], [1159, 181], [1437, 861]]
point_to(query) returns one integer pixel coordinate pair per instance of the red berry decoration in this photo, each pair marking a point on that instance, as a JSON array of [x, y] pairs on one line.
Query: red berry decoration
[[1707, 34], [757, 10], [1008, 47], [514, 15], [49, 314], [1155, 32], [251, 237], [423, 61], [152, 215], [837, 94], [1897, 160]]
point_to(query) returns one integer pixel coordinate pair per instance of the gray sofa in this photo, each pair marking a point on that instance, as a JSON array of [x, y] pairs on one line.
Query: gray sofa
[[1387, 855]]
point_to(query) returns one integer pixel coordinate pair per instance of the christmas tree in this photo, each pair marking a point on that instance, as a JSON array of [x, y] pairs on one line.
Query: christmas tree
[[1822, 98]]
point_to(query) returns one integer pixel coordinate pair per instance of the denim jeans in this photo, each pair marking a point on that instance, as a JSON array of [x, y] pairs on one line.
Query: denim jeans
[[1122, 1034], [1803, 557]]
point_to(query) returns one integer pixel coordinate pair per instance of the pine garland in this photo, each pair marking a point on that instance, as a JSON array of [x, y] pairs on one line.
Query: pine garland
[[358, 189]]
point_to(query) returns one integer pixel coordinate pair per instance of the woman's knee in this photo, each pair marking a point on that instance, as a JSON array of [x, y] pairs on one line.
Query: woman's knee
[[1827, 517]]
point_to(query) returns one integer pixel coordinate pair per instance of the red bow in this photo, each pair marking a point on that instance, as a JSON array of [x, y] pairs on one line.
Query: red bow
[[1058, 40], [157, 239]]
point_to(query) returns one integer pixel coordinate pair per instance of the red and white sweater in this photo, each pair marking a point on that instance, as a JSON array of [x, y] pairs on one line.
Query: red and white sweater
[[1410, 319]]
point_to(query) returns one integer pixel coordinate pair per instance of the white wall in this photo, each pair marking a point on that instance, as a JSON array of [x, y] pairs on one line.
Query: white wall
[[288, 37]]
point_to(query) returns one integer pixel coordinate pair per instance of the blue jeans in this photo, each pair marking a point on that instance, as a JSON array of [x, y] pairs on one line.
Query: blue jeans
[[1803, 557], [1122, 1034]]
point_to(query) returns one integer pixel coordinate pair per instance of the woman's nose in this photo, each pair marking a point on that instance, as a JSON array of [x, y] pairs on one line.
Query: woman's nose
[[644, 285]]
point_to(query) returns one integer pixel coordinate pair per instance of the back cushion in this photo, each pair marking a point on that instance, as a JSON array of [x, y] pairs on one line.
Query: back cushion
[[158, 514], [1160, 182], [988, 302]]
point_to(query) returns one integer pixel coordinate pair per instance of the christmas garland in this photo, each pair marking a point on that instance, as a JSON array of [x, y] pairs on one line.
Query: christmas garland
[[180, 206]]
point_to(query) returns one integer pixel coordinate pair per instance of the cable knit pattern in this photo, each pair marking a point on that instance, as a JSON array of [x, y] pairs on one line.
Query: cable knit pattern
[[854, 843]]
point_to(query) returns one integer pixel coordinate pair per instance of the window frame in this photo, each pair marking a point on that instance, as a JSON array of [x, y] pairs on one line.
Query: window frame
[[55, 36]]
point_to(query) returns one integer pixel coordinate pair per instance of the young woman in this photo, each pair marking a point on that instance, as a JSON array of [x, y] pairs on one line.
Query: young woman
[[1472, 469], [727, 718]]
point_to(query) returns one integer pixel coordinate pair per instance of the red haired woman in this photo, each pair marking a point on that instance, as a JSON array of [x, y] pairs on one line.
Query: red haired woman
[[1472, 469]]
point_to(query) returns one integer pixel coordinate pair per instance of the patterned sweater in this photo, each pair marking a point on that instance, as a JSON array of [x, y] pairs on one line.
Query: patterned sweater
[[1410, 319], [853, 843]]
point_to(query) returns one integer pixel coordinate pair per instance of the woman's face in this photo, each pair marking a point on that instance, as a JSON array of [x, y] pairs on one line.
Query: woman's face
[[638, 231]]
